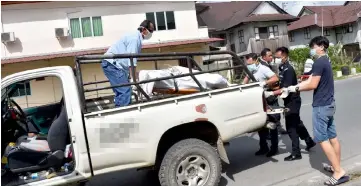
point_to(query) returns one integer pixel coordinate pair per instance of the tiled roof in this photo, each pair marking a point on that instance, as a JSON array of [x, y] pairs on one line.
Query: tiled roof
[[225, 15], [332, 16], [269, 17], [19, 2], [99, 51]]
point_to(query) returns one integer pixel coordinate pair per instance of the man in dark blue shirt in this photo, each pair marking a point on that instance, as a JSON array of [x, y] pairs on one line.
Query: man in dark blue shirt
[[294, 125], [321, 81]]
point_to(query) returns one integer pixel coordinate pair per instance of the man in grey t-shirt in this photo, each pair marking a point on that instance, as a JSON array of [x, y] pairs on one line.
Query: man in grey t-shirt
[[265, 76]]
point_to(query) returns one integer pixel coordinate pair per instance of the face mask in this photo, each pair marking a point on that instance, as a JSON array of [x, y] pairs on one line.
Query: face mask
[[278, 61], [149, 35], [252, 68], [313, 52]]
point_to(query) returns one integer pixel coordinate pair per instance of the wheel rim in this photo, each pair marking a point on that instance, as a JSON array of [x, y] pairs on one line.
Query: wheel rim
[[193, 171]]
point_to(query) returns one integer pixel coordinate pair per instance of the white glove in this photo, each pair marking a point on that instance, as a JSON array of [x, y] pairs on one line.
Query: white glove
[[285, 93], [292, 88], [134, 88], [268, 93], [262, 84]]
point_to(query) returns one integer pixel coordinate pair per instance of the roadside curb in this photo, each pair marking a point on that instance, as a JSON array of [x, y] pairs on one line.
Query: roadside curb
[[316, 178], [349, 77]]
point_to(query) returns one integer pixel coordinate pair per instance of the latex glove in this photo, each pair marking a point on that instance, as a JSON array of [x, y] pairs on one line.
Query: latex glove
[[262, 84], [292, 88], [285, 93], [268, 93]]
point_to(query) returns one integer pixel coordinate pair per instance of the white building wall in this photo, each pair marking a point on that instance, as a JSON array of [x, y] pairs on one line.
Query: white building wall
[[34, 24], [265, 8]]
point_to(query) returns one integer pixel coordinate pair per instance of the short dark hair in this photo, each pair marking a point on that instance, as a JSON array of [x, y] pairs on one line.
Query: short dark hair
[[145, 24], [320, 41], [264, 52], [252, 55], [283, 50]]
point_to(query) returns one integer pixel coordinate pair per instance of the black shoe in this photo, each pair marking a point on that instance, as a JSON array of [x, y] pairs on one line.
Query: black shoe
[[262, 151], [310, 145], [293, 157], [272, 152]]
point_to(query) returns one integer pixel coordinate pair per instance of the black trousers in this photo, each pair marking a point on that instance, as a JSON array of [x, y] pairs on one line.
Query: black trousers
[[263, 133], [296, 129]]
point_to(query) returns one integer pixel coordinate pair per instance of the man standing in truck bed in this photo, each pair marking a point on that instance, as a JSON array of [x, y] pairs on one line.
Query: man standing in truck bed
[[118, 70]]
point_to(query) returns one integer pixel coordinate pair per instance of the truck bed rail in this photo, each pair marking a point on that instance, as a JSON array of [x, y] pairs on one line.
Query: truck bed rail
[[191, 63]]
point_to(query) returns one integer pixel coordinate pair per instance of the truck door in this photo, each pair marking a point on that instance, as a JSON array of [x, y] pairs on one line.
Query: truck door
[[50, 89]]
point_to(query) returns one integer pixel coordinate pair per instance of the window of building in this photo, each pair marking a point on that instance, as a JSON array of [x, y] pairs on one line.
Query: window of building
[[224, 37], [273, 30], [307, 33], [231, 41], [241, 36], [86, 27], [22, 89], [326, 32], [291, 36], [162, 20], [261, 32], [349, 28]]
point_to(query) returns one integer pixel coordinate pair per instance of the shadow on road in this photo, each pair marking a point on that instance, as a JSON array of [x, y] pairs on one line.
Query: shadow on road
[[240, 152], [316, 158]]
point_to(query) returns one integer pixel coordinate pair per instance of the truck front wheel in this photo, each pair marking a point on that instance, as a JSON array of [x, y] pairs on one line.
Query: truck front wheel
[[190, 162]]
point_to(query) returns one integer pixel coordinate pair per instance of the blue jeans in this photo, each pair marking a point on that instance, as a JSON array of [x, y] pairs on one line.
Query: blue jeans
[[116, 77], [323, 122]]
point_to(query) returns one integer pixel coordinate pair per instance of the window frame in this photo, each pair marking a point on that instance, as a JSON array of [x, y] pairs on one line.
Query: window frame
[[307, 33], [26, 93], [165, 20], [349, 28], [241, 36], [81, 26], [274, 32], [256, 32], [291, 36], [326, 32]]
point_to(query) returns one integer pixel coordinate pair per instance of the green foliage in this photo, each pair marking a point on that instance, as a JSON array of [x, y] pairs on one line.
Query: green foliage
[[298, 57], [337, 55]]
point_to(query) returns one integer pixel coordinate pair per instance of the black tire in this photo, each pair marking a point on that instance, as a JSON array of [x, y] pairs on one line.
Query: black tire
[[184, 151]]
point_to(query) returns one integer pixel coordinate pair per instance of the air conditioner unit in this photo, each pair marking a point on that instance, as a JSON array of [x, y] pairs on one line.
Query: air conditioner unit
[[61, 32], [7, 37]]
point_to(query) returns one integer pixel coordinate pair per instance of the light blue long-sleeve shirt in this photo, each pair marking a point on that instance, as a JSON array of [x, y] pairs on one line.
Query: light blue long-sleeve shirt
[[129, 43]]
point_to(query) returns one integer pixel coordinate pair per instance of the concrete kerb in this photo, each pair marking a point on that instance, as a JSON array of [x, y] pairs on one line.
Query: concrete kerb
[[316, 178]]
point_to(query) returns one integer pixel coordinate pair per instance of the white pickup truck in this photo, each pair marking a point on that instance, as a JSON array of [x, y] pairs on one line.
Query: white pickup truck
[[182, 136]]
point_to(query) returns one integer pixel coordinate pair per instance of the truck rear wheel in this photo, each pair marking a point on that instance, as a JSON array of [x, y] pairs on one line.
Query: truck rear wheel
[[190, 162]]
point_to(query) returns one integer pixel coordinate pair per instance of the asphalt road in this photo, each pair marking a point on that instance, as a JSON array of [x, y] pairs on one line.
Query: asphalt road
[[246, 169]]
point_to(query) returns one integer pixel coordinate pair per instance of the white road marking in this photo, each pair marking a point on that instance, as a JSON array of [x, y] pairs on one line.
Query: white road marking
[[306, 104]]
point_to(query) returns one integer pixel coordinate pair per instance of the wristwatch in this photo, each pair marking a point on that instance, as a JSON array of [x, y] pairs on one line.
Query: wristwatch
[[297, 89]]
